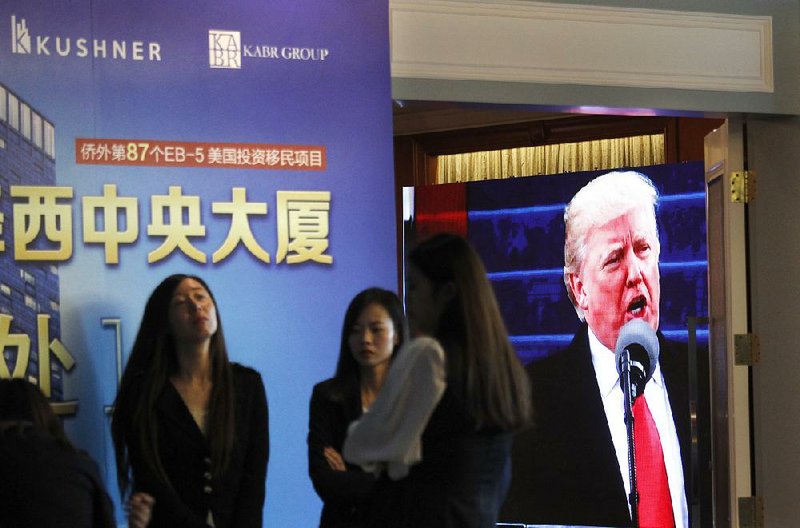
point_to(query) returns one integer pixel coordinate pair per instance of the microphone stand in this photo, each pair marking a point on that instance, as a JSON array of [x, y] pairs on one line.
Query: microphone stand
[[625, 380]]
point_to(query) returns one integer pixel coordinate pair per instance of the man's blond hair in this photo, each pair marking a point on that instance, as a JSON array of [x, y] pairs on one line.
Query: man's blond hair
[[600, 201]]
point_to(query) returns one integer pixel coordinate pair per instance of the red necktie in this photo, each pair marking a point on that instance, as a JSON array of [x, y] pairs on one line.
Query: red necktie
[[655, 504]]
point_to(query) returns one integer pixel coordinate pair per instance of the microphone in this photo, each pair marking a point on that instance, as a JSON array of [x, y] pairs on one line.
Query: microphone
[[636, 355]]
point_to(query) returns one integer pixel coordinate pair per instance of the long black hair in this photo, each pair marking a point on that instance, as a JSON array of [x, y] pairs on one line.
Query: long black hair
[[22, 405], [347, 380], [483, 371], [152, 361]]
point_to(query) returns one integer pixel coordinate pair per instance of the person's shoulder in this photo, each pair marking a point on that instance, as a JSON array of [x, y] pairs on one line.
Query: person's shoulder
[[87, 463], [562, 362], [239, 369], [324, 388], [422, 349], [673, 354], [671, 346], [420, 355], [31, 442], [558, 360], [245, 374], [424, 344], [248, 384]]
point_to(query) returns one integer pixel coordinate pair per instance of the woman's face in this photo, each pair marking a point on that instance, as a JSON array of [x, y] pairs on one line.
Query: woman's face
[[373, 336], [422, 307], [192, 313]]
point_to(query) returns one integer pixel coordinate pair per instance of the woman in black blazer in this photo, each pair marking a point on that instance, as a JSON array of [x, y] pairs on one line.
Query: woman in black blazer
[[190, 428], [374, 328]]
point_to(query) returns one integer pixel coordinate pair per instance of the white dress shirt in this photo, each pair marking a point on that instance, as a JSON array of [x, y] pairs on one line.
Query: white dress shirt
[[389, 436], [658, 401]]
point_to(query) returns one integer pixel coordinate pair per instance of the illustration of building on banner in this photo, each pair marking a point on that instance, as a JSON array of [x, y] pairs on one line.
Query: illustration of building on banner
[[30, 322]]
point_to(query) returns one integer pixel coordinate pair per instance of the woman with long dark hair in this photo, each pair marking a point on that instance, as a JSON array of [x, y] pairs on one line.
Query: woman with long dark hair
[[190, 428], [44, 479], [374, 329], [441, 428]]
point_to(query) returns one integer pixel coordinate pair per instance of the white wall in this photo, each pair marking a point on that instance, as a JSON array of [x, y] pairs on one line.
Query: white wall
[[774, 149], [534, 88]]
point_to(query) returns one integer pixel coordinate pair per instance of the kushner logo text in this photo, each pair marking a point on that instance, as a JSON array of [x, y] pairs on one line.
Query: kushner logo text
[[20, 38], [224, 49], [23, 43]]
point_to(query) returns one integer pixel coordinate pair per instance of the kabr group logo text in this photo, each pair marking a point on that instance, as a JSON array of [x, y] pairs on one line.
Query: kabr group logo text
[[224, 49]]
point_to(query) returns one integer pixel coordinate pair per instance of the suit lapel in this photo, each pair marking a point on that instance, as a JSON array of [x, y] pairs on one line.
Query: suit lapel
[[172, 408], [674, 367], [588, 401]]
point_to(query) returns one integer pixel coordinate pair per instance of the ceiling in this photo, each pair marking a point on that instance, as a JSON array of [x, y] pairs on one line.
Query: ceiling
[[421, 117]]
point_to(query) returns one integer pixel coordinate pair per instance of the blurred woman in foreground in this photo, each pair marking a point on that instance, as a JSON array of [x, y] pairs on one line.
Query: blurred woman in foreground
[[440, 431]]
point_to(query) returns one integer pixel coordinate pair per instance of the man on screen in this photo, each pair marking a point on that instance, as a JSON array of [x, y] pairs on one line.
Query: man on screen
[[572, 466]]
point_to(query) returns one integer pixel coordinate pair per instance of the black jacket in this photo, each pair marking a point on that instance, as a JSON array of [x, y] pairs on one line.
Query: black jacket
[[48, 485], [460, 482], [565, 467], [344, 493], [236, 498]]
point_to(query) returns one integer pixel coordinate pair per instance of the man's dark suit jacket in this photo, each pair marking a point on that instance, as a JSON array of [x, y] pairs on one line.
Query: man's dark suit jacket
[[565, 469], [236, 497]]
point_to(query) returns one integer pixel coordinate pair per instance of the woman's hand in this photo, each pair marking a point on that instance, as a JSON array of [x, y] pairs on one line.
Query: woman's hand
[[335, 460], [140, 509]]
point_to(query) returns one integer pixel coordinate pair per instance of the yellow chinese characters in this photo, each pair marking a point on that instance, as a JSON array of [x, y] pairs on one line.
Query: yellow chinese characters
[[111, 206], [22, 343], [176, 233], [239, 209], [42, 208], [303, 227], [43, 230]]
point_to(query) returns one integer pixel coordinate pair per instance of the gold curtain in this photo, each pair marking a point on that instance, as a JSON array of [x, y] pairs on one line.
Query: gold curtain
[[599, 154]]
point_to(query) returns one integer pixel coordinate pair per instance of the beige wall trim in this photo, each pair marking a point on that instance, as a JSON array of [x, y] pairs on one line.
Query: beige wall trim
[[541, 42]]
